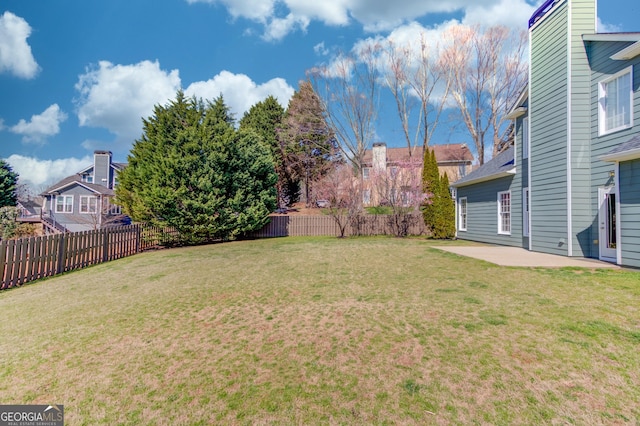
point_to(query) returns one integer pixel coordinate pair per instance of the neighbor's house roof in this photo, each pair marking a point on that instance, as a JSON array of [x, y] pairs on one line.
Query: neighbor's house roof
[[117, 166], [629, 150], [449, 153], [77, 180], [32, 206], [499, 166]]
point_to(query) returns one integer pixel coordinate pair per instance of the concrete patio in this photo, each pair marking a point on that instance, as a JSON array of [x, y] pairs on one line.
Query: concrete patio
[[515, 256]]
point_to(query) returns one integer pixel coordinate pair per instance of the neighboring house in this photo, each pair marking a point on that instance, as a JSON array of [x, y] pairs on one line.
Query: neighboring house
[[83, 201], [571, 183], [453, 159], [30, 210]]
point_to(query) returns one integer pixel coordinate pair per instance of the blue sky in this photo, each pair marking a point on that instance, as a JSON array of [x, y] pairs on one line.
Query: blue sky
[[78, 75]]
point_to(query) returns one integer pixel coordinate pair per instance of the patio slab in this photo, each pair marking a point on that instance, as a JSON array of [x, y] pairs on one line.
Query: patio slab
[[515, 256]]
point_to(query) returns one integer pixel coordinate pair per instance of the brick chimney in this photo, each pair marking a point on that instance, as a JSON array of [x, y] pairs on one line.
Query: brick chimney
[[379, 154]]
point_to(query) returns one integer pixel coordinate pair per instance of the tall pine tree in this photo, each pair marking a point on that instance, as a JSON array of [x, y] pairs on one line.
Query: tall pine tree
[[310, 147], [266, 119]]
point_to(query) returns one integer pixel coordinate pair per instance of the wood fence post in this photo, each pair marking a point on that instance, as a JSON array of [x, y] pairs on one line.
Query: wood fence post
[[61, 254]]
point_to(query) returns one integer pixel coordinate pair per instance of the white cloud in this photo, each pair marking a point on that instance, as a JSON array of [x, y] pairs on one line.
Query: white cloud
[[510, 13], [40, 126], [277, 29], [15, 53], [281, 17], [240, 92], [320, 49], [40, 173], [117, 97], [604, 27]]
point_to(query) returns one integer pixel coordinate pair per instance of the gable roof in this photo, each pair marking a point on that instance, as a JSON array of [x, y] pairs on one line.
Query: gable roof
[[77, 180], [447, 153], [629, 150], [499, 166]]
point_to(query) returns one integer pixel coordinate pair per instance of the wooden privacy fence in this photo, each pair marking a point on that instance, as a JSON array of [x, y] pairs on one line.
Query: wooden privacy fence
[[321, 225], [29, 259]]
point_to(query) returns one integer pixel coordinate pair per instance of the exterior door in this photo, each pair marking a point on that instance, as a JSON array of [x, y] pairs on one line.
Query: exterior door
[[607, 223]]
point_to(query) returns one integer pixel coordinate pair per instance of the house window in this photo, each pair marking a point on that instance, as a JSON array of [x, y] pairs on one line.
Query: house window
[[365, 173], [462, 214], [525, 212], [504, 212], [525, 137], [64, 203], [87, 178], [366, 197], [616, 102], [88, 204]]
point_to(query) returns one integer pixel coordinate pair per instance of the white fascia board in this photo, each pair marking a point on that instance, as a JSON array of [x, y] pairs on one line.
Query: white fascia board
[[487, 178], [627, 53], [632, 154], [612, 37], [75, 182], [517, 112]]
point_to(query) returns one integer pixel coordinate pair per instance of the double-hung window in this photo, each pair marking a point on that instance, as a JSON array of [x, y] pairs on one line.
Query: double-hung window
[[616, 102], [365, 173], [462, 214], [504, 212], [64, 203], [88, 204]]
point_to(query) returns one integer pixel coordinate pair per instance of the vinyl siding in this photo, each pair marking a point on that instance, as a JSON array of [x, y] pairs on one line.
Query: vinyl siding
[[482, 212], [583, 21], [603, 67], [75, 221], [630, 212], [548, 111]]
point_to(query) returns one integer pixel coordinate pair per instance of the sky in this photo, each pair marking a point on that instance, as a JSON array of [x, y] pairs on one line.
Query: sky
[[78, 75]]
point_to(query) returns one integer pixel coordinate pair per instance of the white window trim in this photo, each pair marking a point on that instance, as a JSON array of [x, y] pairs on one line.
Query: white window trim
[[89, 198], [601, 104], [64, 204], [525, 138], [525, 211], [501, 231], [365, 173], [462, 224]]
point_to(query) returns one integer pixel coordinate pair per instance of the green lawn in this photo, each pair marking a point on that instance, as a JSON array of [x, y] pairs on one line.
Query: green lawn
[[324, 331]]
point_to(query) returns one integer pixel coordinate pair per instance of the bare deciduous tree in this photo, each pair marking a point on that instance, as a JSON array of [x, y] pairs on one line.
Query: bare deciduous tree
[[415, 77], [400, 188], [343, 192], [349, 90], [487, 71]]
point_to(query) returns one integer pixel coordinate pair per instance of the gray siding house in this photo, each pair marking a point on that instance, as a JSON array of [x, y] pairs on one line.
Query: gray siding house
[[83, 201], [574, 184]]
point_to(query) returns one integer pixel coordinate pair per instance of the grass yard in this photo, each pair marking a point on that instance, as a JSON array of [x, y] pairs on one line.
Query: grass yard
[[324, 331]]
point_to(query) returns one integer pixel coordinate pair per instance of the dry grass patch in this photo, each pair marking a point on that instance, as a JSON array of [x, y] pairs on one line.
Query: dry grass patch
[[322, 330]]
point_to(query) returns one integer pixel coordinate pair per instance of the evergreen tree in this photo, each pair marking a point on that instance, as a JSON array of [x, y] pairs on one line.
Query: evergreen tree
[[8, 185], [439, 210], [192, 170], [310, 147], [266, 119]]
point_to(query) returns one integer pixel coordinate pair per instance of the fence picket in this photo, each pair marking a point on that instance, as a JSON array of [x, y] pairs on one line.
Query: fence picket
[[33, 258]]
